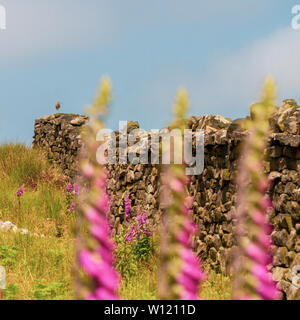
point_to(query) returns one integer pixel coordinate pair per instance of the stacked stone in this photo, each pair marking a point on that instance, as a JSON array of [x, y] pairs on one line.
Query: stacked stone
[[59, 136], [141, 182], [283, 162], [214, 190]]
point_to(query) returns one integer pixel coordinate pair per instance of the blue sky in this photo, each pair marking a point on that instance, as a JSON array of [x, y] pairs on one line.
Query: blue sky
[[220, 51]]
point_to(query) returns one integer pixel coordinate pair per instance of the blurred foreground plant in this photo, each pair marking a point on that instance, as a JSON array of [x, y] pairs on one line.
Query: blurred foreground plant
[[181, 272], [95, 248], [253, 280]]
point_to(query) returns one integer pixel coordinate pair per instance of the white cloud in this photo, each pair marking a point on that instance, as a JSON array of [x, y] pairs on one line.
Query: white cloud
[[234, 81], [35, 26], [237, 78]]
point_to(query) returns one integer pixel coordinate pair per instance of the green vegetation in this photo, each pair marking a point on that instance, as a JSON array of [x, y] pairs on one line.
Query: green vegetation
[[42, 267], [37, 267]]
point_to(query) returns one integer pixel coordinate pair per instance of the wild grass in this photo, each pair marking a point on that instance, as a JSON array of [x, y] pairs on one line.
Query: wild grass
[[37, 267], [41, 267], [26, 166], [143, 284]]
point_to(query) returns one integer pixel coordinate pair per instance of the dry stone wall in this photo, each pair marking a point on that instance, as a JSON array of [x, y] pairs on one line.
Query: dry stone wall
[[59, 136], [214, 191], [283, 165], [141, 182]]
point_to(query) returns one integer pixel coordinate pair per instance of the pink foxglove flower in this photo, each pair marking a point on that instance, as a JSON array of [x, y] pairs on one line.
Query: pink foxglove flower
[[75, 189], [95, 252], [72, 207], [181, 273], [69, 187], [20, 192], [253, 280], [139, 228], [127, 208]]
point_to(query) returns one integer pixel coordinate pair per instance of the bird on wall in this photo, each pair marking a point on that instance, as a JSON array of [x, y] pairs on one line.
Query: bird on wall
[[57, 106]]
